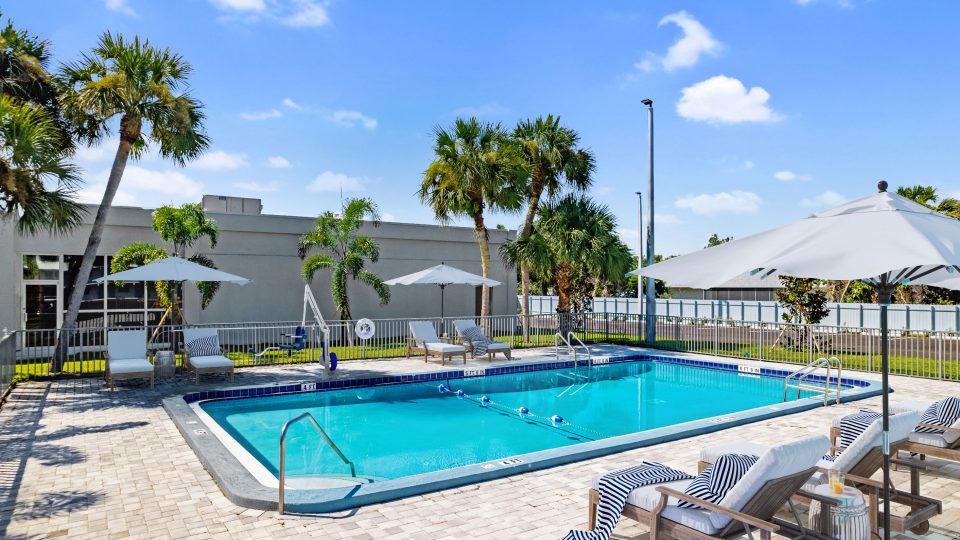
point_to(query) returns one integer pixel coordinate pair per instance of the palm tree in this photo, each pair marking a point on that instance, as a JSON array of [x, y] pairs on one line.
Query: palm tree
[[34, 142], [475, 168], [554, 160], [144, 87], [347, 252], [182, 227], [574, 237], [928, 196]]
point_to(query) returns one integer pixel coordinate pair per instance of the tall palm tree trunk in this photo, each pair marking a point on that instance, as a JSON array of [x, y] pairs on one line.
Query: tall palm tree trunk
[[129, 133], [564, 279], [481, 231], [536, 190]]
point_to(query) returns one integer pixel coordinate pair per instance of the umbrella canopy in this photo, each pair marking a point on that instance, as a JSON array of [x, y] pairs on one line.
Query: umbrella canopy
[[442, 275], [173, 269], [883, 239]]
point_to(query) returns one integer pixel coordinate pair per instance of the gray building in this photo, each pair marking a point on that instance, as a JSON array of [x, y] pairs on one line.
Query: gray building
[[37, 271], [745, 287]]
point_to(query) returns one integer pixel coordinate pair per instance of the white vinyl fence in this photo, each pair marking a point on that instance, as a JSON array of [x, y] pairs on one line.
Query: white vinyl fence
[[920, 317]]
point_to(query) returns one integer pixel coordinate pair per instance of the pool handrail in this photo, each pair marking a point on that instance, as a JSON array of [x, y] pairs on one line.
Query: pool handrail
[[283, 453]]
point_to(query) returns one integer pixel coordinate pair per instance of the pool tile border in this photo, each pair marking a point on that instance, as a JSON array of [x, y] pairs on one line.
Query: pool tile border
[[240, 487]]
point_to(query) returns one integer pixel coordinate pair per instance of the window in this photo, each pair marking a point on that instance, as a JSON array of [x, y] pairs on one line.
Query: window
[[41, 267]]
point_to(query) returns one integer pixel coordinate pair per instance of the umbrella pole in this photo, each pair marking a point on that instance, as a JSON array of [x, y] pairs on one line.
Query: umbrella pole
[[884, 296], [442, 286]]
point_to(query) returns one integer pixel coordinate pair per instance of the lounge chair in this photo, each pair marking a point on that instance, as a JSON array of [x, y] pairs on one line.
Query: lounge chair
[[750, 504], [465, 329], [210, 361], [424, 338], [127, 356], [859, 461], [943, 446]]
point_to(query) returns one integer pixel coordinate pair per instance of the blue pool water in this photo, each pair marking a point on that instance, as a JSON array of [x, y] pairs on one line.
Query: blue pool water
[[407, 429]]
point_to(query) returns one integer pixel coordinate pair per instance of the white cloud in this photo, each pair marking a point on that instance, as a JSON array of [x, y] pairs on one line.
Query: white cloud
[[686, 51], [490, 108], [666, 219], [748, 164], [725, 100], [262, 115], [257, 187], [291, 104], [278, 162], [120, 6], [354, 118], [95, 154], [332, 181], [846, 4], [387, 216], [295, 13], [790, 176], [144, 187], [306, 13], [603, 190], [240, 5], [219, 160], [708, 204], [827, 198]]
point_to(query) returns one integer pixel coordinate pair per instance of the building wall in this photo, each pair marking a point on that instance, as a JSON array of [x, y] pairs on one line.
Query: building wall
[[263, 248]]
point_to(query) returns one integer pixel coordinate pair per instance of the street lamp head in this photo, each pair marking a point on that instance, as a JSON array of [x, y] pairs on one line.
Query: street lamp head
[[647, 102]]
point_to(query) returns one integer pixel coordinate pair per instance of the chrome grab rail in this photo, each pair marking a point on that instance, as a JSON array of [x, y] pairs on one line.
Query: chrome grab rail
[[800, 376], [283, 453], [557, 340], [570, 339]]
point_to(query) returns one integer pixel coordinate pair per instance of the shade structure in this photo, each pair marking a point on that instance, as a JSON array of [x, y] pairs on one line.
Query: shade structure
[[442, 275], [173, 269], [883, 239]]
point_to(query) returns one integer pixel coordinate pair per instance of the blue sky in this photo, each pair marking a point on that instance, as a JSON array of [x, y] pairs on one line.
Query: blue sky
[[766, 110]]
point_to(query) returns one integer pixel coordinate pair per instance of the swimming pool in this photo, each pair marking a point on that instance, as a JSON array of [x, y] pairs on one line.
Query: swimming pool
[[415, 432]]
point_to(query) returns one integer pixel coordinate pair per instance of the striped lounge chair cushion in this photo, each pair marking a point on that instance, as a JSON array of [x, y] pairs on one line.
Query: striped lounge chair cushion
[[716, 480], [204, 346], [851, 427], [942, 413]]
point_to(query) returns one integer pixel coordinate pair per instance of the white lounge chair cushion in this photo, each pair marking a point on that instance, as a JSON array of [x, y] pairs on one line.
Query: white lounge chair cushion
[[445, 348], [423, 332], [647, 497], [901, 425], [932, 439], [498, 346], [912, 405], [127, 344], [776, 462], [131, 365], [710, 454], [205, 362]]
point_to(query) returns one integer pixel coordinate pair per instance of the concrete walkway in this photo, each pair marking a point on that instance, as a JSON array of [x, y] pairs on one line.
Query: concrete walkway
[[78, 461]]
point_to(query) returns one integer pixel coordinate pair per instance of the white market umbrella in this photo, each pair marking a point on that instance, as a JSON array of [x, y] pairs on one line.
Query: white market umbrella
[[442, 275], [173, 269], [884, 239]]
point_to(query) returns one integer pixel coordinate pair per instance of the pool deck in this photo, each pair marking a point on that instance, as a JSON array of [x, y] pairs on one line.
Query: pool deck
[[79, 461]]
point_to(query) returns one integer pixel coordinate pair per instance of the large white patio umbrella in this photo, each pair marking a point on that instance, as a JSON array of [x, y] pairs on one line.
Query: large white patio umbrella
[[442, 275], [173, 269], [884, 239]]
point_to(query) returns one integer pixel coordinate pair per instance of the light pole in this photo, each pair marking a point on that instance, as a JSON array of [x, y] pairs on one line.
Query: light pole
[[639, 258], [650, 313]]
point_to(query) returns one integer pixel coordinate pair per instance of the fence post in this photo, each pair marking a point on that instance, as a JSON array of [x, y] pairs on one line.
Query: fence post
[[761, 340], [716, 337], [908, 315], [861, 315], [606, 325], [933, 318], [940, 359]]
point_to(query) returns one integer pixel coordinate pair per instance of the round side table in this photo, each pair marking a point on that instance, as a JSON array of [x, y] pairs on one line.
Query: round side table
[[164, 363], [849, 519]]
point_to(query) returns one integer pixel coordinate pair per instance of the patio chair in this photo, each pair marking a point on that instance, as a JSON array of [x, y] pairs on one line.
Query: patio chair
[[203, 352], [468, 331], [127, 356], [751, 503], [424, 338], [859, 461], [944, 445]]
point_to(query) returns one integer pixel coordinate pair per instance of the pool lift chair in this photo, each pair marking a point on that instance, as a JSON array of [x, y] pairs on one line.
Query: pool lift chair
[[299, 337]]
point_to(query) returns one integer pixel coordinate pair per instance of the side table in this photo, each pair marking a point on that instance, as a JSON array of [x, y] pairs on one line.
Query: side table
[[849, 519]]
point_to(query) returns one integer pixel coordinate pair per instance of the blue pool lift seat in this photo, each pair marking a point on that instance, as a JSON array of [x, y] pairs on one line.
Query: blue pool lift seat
[[299, 337]]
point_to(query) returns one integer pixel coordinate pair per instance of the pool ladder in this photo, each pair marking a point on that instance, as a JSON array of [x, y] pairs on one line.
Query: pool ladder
[[565, 344], [798, 379], [283, 453]]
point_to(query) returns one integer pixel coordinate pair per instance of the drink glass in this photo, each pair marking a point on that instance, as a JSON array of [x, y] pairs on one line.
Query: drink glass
[[836, 482]]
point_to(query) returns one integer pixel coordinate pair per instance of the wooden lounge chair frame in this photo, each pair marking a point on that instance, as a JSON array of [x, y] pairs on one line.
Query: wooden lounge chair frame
[[756, 514], [922, 508], [491, 354], [950, 453], [229, 370]]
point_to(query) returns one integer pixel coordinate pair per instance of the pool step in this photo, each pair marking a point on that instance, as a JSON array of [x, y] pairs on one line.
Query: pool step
[[328, 481]]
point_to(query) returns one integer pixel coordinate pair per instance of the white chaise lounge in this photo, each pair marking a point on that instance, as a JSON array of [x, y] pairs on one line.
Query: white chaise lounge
[[423, 337], [750, 504], [211, 360], [127, 356], [467, 329], [944, 445]]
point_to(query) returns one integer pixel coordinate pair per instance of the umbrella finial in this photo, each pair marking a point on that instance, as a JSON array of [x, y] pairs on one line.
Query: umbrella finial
[[882, 186]]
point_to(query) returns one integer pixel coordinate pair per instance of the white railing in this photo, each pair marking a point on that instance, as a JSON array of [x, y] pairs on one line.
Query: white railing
[[923, 317]]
